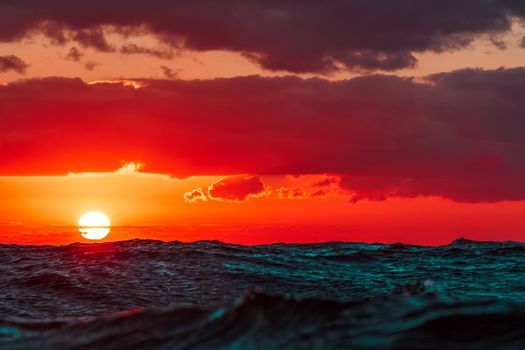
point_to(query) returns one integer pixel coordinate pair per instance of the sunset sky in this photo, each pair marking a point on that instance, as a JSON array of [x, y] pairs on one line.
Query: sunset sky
[[263, 121]]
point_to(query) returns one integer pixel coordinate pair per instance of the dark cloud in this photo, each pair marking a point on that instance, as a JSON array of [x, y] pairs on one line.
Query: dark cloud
[[457, 135], [54, 31], [290, 193], [460, 188], [74, 54], [93, 38], [371, 60], [168, 72], [498, 42], [522, 42], [297, 193], [236, 188], [297, 36], [12, 63], [326, 182], [130, 49], [90, 65], [319, 193]]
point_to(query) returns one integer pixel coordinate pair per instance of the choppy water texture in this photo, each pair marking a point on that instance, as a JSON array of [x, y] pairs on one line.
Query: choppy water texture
[[209, 295]]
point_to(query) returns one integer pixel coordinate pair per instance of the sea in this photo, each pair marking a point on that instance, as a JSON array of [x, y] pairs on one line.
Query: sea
[[148, 294]]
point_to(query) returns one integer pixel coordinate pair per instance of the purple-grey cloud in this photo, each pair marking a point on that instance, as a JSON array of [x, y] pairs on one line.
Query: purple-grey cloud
[[296, 36]]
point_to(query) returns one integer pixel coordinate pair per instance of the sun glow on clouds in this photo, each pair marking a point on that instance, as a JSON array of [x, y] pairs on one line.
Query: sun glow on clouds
[[241, 188], [123, 82], [130, 168], [127, 168]]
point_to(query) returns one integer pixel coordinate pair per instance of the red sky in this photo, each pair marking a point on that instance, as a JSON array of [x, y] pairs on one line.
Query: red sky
[[285, 121]]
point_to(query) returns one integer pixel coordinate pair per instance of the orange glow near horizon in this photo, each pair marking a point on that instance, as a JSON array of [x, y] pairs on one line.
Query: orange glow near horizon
[[154, 206], [124, 82]]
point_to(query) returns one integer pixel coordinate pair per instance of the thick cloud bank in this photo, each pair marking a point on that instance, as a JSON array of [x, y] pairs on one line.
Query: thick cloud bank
[[296, 36], [459, 135]]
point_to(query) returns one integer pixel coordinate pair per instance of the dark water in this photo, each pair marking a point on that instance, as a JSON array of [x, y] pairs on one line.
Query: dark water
[[208, 295]]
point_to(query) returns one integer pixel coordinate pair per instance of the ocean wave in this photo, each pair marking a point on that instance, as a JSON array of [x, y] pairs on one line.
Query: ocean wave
[[263, 321], [138, 294]]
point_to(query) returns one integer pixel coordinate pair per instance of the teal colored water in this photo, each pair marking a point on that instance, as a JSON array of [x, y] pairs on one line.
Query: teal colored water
[[209, 295]]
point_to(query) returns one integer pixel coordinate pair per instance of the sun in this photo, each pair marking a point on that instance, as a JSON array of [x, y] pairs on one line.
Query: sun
[[94, 225]]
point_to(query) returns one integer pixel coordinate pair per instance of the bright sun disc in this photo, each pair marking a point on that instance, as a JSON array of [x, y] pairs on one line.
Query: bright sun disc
[[94, 225]]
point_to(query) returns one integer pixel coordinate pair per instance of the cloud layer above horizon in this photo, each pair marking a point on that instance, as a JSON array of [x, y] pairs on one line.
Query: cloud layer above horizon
[[457, 135]]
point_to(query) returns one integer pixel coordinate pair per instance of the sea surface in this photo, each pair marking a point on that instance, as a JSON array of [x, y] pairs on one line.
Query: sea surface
[[144, 294]]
